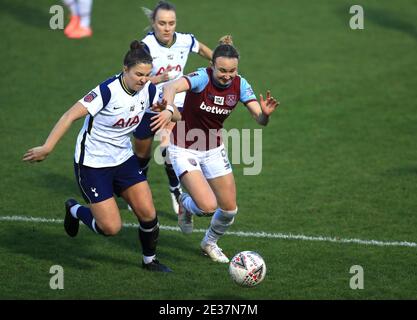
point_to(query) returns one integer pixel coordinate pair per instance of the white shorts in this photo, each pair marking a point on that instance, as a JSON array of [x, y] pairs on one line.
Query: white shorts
[[212, 163]]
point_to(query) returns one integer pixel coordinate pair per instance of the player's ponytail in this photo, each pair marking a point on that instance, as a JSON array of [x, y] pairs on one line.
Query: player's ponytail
[[226, 39], [138, 53], [225, 49]]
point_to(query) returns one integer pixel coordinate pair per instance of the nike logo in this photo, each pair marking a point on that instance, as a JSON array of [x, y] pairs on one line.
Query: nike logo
[[140, 171], [115, 108]]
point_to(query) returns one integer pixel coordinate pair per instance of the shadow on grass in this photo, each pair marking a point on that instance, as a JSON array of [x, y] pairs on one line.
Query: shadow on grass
[[383, 18], [27, 12], [171, 247], [401, 171], [58, 184], [56, 247], [388, 20]]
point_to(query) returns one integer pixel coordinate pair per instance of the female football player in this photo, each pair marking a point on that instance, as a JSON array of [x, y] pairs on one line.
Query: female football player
[[169, 50], [197, 152], [104, 162]]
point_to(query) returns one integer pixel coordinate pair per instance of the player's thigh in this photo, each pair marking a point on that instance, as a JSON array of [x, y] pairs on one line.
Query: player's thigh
[[107, 216], [224, 187], [199, 189], [139, 197], [186, 164], [143, 147]]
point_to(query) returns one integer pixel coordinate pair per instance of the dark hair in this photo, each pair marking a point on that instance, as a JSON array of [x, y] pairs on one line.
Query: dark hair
[[163, 5], [225, 50], [138, 53]]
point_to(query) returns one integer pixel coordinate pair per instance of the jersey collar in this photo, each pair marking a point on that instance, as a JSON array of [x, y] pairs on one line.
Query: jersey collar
[[125, 88], [218, 84], [163, 44]]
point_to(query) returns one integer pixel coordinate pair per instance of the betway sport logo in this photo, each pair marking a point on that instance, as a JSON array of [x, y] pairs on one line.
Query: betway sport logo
[[214, 109]]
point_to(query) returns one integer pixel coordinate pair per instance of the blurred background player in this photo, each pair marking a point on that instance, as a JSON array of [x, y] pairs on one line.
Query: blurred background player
[[169, 50], [200, 160], [104, 162], [80, 19]]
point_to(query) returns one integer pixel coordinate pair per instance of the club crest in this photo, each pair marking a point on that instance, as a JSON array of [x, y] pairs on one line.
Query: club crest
[[231, 100], [192, 162]]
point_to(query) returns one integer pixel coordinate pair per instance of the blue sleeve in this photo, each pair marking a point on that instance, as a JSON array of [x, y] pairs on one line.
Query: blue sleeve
[[197, 80], [105, 91], [105, 94], [151, 93], [246, 92]]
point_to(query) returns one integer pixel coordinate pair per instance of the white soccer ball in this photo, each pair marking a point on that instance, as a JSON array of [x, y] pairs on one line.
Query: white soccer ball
[[247, 268]]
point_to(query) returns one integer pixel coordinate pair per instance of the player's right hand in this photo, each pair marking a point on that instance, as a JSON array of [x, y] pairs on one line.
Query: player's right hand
[[164, 76], [36, 154]]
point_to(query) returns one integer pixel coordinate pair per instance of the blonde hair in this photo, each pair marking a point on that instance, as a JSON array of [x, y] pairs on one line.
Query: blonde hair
[[226, 39]]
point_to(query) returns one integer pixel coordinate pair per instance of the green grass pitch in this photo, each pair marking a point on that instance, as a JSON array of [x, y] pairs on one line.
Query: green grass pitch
[[339, 157]]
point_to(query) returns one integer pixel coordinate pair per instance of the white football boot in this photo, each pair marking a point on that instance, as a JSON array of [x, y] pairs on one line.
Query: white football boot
[[214, 252]]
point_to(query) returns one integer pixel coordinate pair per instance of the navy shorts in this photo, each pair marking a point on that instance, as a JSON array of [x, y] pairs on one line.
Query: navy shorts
[[99, 184], [143, 130]]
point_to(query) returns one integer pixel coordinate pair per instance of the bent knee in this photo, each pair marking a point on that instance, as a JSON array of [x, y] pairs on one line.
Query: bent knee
[[208, 209], [111, 229]]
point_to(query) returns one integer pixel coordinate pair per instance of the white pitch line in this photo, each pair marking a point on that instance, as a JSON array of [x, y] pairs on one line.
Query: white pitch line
[[241, 233]]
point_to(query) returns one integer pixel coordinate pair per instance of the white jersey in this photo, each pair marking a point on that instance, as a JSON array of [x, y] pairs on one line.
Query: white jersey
[[114, 112], [175, 56]]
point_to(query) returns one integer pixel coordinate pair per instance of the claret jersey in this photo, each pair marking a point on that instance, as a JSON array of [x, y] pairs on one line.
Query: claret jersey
[[114, 112], [206, 107]]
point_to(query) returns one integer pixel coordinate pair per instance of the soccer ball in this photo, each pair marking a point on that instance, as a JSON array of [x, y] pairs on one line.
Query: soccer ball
[[247, 268]]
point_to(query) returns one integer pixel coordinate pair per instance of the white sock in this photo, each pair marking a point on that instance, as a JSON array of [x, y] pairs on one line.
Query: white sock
[[220, 222], [72, 6], [74, 209], [190, 206], [148, 259], [84, 10]]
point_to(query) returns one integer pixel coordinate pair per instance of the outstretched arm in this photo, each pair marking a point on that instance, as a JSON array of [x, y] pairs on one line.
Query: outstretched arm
[[173, 88], [263, 109], [76, 112], [205, 51], [167, 113], [164, 117]]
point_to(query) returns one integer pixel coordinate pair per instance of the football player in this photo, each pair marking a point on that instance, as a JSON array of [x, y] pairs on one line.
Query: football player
[[104, 162], [200, 159], [169, 50]]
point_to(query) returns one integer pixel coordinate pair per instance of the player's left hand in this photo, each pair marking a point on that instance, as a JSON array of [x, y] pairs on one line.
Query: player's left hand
[[269, 105], [161, 120]]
